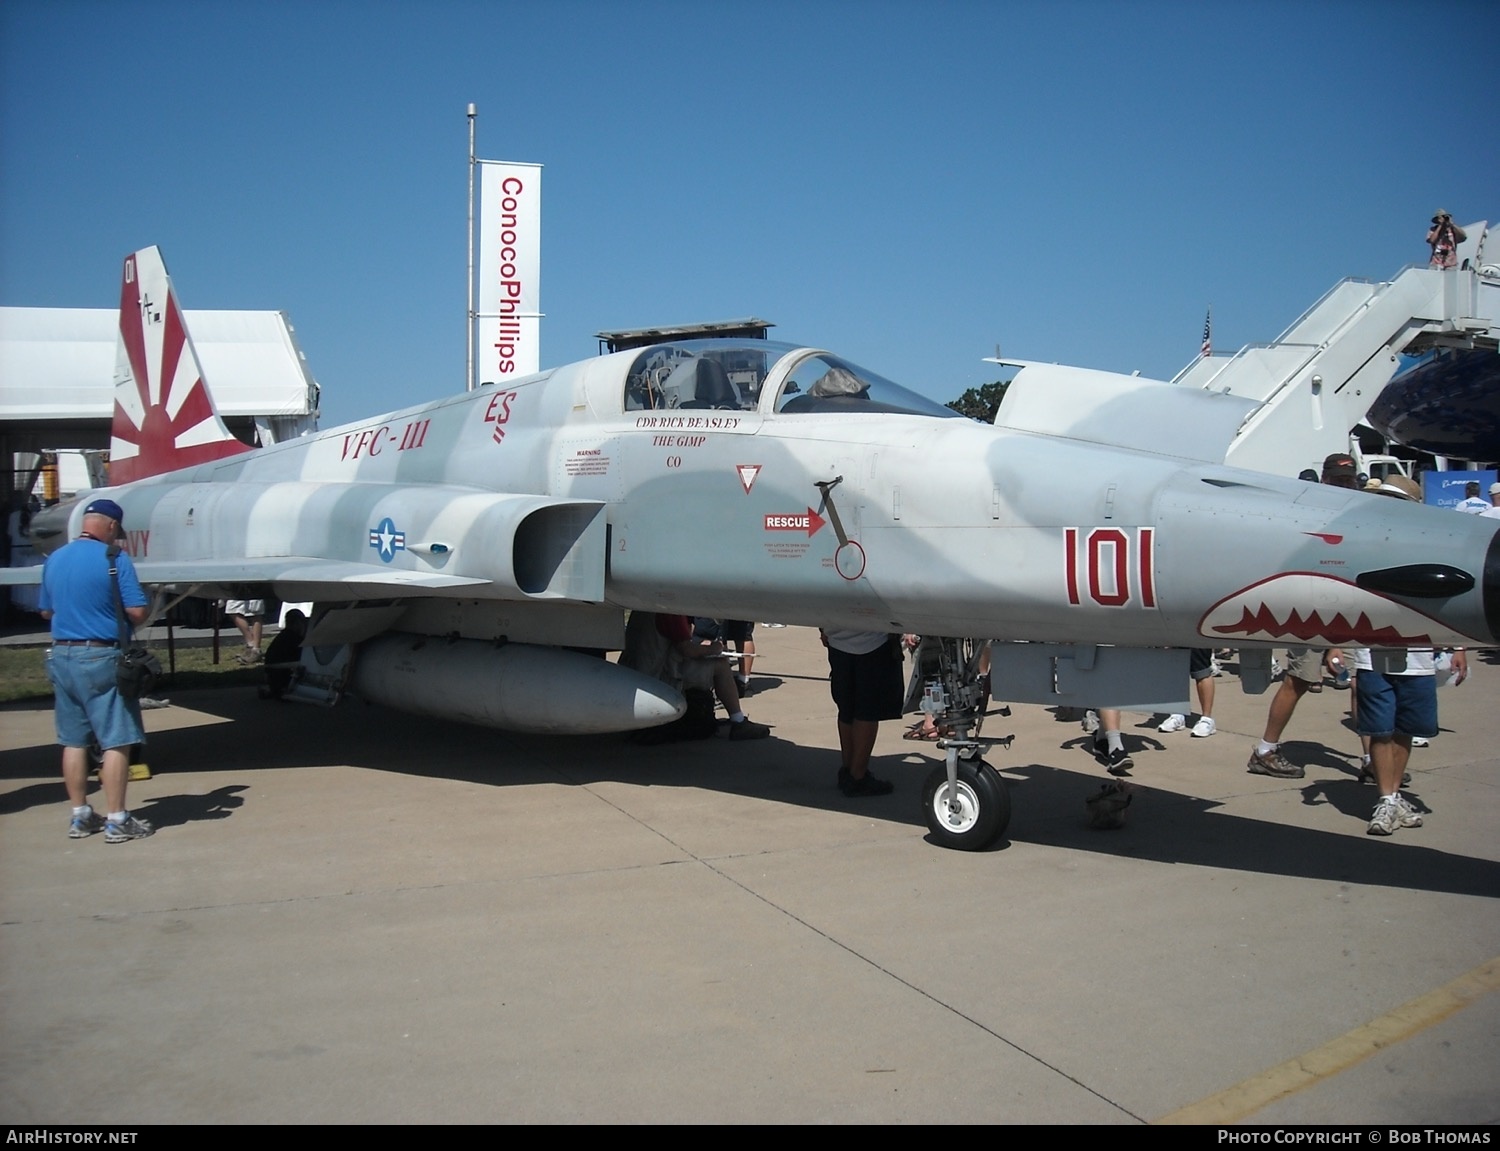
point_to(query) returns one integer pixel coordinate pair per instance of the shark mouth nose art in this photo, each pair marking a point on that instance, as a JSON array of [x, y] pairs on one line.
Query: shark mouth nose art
[[1307, 607]]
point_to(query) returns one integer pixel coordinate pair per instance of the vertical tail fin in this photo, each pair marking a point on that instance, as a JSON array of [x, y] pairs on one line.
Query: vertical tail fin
[[164, 417]]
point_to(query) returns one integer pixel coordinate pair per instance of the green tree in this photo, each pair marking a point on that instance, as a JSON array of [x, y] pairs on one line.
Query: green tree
[[981, 403]]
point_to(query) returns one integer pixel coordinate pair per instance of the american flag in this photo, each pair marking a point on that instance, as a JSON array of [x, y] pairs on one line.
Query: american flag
[[1208, 334]]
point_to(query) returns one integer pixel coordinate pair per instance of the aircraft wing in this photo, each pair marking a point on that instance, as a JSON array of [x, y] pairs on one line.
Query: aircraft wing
[[303, 570], [343, 580], [360, 541]]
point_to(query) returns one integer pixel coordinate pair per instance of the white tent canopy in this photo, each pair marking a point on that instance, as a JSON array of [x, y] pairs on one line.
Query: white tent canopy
[[59, 363]]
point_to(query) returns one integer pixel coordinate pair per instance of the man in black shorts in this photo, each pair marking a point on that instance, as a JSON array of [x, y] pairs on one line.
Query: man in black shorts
[[741, 633], [864, 675]]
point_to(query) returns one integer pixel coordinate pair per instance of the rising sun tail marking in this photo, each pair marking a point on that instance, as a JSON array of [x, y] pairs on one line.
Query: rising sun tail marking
[[164, 417]]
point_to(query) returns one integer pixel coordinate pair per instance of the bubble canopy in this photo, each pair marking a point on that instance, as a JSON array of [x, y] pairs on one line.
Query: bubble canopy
[[762, 375]]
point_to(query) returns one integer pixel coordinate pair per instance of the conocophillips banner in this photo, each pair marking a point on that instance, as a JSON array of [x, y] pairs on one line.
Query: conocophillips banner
[[509, 270]]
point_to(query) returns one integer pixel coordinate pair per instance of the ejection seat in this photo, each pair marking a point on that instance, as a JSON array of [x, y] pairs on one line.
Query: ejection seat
[[712, 387]]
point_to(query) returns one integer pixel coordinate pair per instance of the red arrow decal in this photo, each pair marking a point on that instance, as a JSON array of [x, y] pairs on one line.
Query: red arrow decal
[[808, 521]]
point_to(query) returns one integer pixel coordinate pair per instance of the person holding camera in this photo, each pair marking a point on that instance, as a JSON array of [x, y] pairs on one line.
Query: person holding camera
[[1443, 238]]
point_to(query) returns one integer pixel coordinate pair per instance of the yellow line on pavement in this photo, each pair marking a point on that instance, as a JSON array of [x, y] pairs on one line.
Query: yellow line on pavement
[[1246, 1098]]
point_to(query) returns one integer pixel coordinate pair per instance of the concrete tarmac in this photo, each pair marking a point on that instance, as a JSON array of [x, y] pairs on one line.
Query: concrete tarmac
[[353, 915]]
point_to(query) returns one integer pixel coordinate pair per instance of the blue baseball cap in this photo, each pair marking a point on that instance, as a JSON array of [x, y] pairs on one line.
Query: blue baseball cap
[[106, 508]]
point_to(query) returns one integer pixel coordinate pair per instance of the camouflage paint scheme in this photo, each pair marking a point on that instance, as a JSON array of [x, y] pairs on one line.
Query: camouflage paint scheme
[[810, 492]]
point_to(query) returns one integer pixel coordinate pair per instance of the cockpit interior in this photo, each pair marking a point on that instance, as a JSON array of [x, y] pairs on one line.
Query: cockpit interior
[[761, 375]]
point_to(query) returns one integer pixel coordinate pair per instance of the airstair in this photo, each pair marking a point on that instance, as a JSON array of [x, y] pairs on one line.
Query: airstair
[[1318, 379]]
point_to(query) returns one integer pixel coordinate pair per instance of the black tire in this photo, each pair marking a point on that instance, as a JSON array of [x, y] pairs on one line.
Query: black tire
[[984, 807]]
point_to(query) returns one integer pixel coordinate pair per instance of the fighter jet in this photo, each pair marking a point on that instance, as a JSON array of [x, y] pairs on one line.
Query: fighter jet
[[457, 549]]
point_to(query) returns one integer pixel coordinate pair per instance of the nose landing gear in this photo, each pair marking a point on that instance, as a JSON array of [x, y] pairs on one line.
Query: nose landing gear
[[964, 801]]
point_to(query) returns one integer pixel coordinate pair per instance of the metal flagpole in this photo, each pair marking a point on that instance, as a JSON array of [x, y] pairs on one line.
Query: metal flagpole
[[469, 366]]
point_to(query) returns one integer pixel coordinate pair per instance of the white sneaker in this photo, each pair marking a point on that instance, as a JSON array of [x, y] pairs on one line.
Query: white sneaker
[[1419, 741], [1204, 727], [1173, 722], [1393, 812], [1090, 721], [1410, 817]]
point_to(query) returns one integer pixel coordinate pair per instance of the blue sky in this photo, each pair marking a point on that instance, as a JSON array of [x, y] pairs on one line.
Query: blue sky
[[906, 184]]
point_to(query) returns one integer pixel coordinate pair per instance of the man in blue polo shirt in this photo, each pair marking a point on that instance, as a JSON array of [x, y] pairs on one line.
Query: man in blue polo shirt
[[78, 597]]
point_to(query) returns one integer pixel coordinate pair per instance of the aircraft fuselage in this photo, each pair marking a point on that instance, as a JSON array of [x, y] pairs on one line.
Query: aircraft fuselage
[[885, 516]]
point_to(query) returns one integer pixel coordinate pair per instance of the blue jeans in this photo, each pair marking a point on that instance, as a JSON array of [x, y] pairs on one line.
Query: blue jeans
[[87, 700], [1396, 704]]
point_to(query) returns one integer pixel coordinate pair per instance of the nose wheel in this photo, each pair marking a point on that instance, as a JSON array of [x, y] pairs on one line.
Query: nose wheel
[[966, 803]]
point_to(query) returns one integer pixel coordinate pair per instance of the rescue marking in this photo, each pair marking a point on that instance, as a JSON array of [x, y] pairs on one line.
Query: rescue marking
[[784, 549], [808, 522], [1353, 1047], [747, 474], [849, 560], [1105, 554], [386, 540]]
